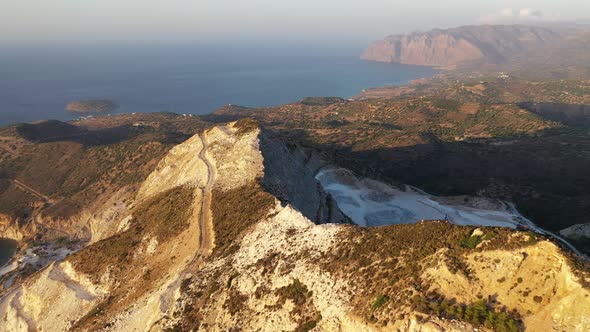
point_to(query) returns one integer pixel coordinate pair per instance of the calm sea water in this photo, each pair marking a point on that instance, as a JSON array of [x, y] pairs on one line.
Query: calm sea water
[[37, 82], [7, 249]]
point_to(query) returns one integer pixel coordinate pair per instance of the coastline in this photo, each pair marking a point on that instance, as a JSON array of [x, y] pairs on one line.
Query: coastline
[[203, 85]]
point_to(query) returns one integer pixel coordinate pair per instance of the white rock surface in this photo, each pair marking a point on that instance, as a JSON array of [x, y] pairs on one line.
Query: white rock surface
[[576, 231], [371, 203]]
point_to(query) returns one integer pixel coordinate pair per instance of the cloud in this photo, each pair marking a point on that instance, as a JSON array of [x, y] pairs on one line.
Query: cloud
[[507, 12], [537, 13], [511, 15], [530, 13], [524, 12]]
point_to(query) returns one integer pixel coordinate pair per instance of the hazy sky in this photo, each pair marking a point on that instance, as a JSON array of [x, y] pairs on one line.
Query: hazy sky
[[228, 20]]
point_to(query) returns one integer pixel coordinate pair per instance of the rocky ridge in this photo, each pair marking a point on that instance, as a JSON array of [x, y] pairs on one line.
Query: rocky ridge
[[451, 47], [206, 244]]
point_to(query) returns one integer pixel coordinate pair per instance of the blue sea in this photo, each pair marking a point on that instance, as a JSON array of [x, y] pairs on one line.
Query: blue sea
[[7, 250], [36, 82]]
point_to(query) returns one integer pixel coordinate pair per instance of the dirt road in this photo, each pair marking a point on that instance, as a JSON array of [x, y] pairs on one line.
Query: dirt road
[[206, 238], [30, 190]]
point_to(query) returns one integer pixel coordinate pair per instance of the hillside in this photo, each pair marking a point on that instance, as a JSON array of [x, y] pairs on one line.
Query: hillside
[[451, 47], [478, 143], [216, 238], [58, 178]]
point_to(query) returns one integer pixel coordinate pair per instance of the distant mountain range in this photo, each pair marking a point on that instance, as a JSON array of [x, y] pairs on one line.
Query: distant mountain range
[[444, 48]]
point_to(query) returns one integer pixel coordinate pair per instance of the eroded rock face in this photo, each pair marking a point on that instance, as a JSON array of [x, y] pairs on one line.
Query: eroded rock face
[[9, 228], [289, 174], [443, 48], [439, 50]]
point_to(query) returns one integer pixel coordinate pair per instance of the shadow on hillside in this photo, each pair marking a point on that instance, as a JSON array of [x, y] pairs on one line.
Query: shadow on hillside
[[546, 176], [568, 114], [54, 131], [216, 118]]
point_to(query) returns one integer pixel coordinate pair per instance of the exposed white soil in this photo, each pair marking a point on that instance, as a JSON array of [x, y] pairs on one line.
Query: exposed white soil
[[35, 257], [181, 166], [372, 203], [237, 159], [50, 301], [149, 310]]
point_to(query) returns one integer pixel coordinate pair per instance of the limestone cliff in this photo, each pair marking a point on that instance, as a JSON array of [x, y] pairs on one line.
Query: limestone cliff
[[443, 48]]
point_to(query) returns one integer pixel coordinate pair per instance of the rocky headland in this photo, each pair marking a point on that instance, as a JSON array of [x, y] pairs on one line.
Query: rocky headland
[[447, 48], [92, 106]]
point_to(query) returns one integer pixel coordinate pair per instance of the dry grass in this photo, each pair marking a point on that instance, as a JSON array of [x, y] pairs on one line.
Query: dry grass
[[163, 216], [234, 211], [245, 126], [387, 262], [133, 272]]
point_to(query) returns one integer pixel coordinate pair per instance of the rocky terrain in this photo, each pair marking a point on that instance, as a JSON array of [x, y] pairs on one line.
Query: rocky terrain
[[231, 230], [451, 47], [456, 203], [91, 106]]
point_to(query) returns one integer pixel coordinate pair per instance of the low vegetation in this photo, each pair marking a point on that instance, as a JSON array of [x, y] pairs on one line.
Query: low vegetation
[[78, 163], [480, 313], [471, 241], [380, 301], [305, 311], [163, 217], [322, 101], [458, 135], [296, 292], [246, 126], [388, 261], [234, 211]]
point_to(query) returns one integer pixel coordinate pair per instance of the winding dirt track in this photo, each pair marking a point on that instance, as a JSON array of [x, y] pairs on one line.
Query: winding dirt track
[[30, 190], [167, 298], [206, 234], [206, 238]]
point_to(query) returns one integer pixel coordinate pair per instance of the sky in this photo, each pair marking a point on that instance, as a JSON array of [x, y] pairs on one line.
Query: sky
[[48, 21]]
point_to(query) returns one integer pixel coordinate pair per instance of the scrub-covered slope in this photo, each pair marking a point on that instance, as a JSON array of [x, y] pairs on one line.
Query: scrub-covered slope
[[208, 246]]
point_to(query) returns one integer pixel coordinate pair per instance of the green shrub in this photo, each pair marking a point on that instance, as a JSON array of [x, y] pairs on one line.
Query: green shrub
[[380, 301], [321, 101], [245, 126], [296, 292], [480, 313], [446, 104], [471, 242]]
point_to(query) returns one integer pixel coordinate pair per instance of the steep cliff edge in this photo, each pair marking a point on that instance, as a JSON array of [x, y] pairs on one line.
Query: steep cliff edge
[[444, 48], [210, 246]]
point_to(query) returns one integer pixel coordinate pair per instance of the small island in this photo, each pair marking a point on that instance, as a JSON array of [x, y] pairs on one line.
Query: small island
[[91, 106]]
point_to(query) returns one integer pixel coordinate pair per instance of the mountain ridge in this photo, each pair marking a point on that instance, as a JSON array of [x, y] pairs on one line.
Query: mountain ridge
[[455, 46], [268, 256]]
